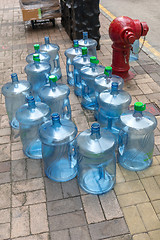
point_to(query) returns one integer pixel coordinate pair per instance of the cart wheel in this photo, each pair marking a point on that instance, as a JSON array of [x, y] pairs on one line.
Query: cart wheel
[[32, 23], [53, 22]]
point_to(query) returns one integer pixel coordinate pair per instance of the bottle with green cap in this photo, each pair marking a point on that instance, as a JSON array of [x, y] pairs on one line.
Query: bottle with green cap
[[37, 74], [70, 53], [136, 138], [104, 82], [44, 56], [90, 43], [56, 96], [78, 63], [88, 75]]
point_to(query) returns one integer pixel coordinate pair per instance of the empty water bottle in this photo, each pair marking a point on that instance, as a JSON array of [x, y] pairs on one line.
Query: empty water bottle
[[91, 44], [70, 54], [30, 116], [112, 103], [134, 53], [58, 148], [43, 56], [88, 75], [104, 82], [136, 139], [15, 93], [53, 51], [37, 74], [96, 160], [56, 96], [78, 63]]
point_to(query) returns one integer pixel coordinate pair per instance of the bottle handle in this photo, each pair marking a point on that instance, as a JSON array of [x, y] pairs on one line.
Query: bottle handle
[[85, 89], [56, 62], [122, 141], [66, 109], [72, 154]]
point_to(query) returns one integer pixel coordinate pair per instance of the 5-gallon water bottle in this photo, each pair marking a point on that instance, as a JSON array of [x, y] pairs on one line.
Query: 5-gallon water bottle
[[96, 160], [37, 74], [55, 95], [88, 75], [112, 103], [136, 140], [70, 54], [53, 51], [104, 82], [91, 44], [78, 63], [134, 53], [15, 93], [58, 148], [30, 117], [43, 56]]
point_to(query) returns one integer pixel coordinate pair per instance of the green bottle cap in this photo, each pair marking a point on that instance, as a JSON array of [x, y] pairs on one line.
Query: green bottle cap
[[93, 59], [84, 50], [36, 57], [139, 106], [107, 70], [76, 43], [53, 78], [36, 46]]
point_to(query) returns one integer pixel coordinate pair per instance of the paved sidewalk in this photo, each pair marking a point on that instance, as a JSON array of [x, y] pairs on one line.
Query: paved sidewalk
[[34, 208]]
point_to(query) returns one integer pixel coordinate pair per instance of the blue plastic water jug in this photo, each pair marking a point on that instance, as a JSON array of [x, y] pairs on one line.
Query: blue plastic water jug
[[88, 75], [53, 51], [78, 63], [37, 74], [91, 44], [70, 54], [58, 148], [136, 139], [30, 116], [134, 53], [56, 96], [15, 93], [112, 103], [43, 56], [96, 160]]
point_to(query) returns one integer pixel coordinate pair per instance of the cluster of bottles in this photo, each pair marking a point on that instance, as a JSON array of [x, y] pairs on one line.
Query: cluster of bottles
[[45, 125]]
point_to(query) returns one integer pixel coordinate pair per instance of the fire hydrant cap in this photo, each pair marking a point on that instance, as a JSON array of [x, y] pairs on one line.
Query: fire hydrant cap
[[107, 70], [94, 60], [53, 78], [36, 57], [36, 46], [84, 50], [139, 106]]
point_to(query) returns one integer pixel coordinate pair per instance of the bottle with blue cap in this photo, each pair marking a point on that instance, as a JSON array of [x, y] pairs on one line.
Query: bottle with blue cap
[[90, 43], [56, 96], [70, 54], [15, 93], [58, 148], [43, 56], [96, 160], [111, 104], [78, 63], [53, 51], [37, 74], [88, 75], [30, 117], [136, 139]]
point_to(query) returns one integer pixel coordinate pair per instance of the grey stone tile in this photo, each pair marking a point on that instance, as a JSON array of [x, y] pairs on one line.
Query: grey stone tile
[[53, 190], [34, 168], [18, 170], [80, 233], [58, 235], [5, 193], [70, 188], [4, 177]]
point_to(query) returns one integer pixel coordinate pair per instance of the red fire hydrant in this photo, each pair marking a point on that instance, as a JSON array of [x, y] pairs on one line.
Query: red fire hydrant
[[123, 31]]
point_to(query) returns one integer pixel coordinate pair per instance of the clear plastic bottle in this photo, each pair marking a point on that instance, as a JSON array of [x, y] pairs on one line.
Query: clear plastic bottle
[[88, 75], [96, 160], [58, 148], [112, 103], [91, 44], [37, 74], [30, 116], [70, 54], [15, 93], [136, 139], [134, 53], [53, 51], [43, 56], [56, 96], [78, 63]]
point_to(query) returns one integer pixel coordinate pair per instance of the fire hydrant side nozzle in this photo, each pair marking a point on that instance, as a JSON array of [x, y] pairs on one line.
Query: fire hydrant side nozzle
[[123, 31]]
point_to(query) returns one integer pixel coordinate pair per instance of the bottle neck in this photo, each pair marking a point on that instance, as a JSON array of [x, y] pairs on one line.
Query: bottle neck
[[114, 88], [56, 120], [138, 114], [47, 40], [95, 131], [14, 78], [93, 66], [53, 84], [37, 50], [85, 37], [31, 103], [37, 64], [76, 49]]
